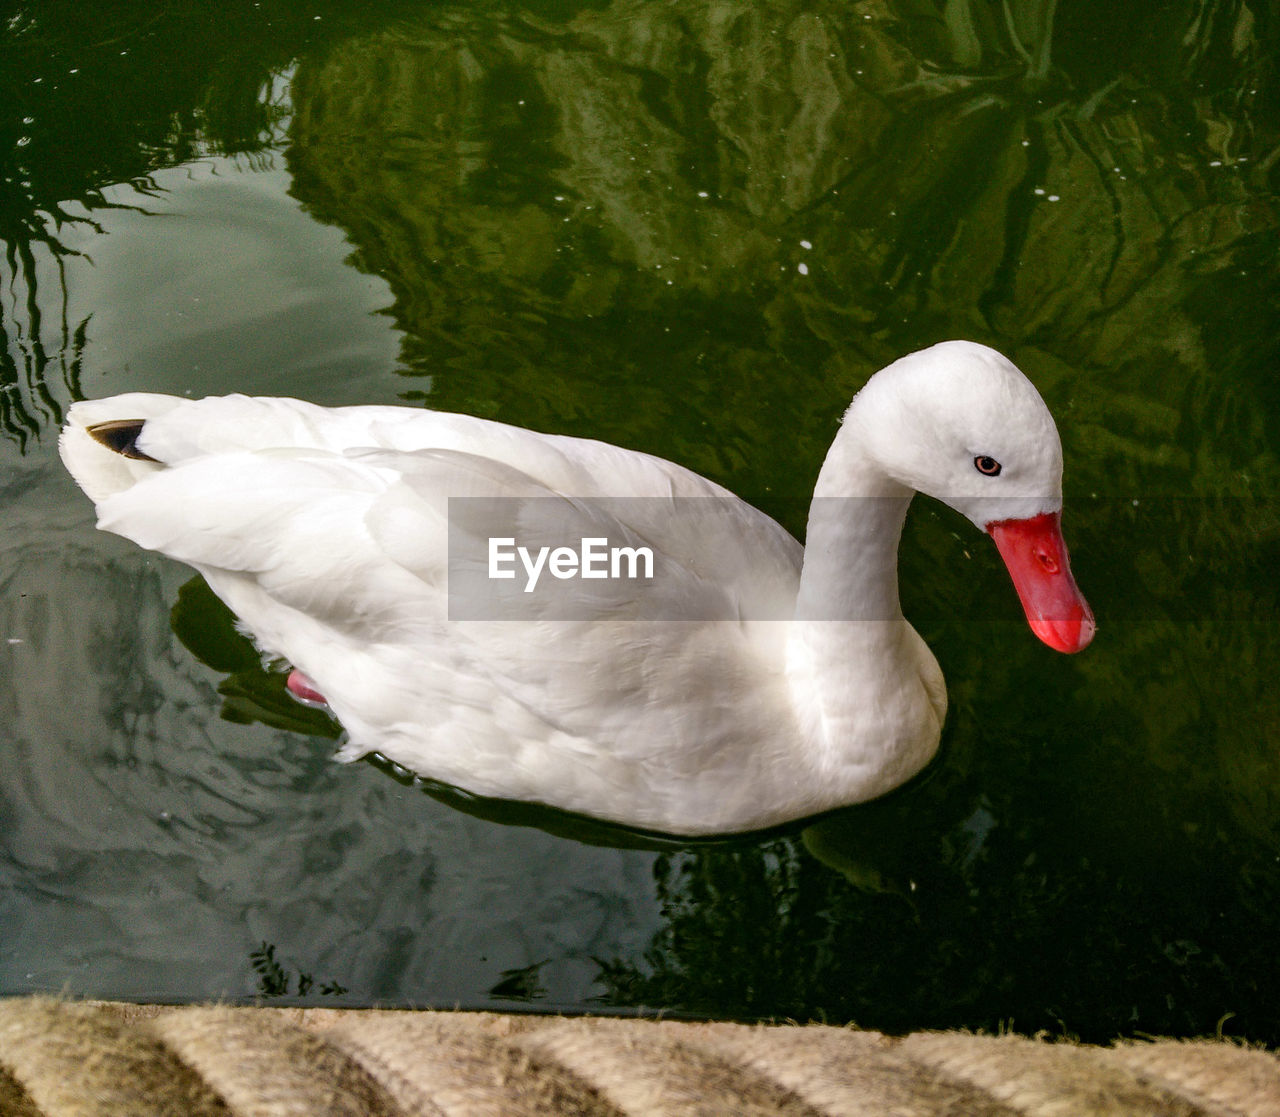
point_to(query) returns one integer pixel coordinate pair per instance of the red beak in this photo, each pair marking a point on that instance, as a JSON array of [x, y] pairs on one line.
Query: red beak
[[1036, 556]]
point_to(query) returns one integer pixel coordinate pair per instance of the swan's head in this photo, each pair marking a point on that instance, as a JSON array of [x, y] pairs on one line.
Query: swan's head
[[961, 423]]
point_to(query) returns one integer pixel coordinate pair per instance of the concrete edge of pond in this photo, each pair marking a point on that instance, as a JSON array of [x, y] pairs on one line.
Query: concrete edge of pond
[[62, 1057]]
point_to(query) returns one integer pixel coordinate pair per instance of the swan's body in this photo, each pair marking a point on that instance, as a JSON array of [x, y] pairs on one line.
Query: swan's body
[[749, 682]]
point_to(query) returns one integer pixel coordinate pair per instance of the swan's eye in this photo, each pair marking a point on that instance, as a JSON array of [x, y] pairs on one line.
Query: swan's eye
[[989, 466]]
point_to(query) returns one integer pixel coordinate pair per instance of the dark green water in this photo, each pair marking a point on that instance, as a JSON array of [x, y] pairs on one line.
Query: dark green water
[[695, 229]]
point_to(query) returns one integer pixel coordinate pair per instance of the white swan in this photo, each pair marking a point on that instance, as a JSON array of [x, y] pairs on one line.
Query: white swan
[[750, 681]]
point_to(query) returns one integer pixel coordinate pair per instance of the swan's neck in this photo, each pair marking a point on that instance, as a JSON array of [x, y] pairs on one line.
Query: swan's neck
[[851, 549], [861, 678]]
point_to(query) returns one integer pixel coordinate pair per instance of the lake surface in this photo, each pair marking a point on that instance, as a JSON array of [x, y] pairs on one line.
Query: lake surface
[[694, 229]]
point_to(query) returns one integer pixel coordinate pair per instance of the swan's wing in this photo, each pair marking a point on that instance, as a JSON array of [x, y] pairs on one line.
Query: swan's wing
[[349, 538], [716, 536]]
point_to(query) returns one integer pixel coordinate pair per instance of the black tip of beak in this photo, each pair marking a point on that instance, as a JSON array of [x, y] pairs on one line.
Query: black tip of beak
[[121, 435]]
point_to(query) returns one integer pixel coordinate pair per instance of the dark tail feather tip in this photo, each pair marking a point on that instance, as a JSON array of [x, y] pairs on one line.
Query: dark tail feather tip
[[121, 435]]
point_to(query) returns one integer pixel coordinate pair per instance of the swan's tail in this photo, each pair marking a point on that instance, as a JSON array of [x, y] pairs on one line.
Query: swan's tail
[[99, 442]]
